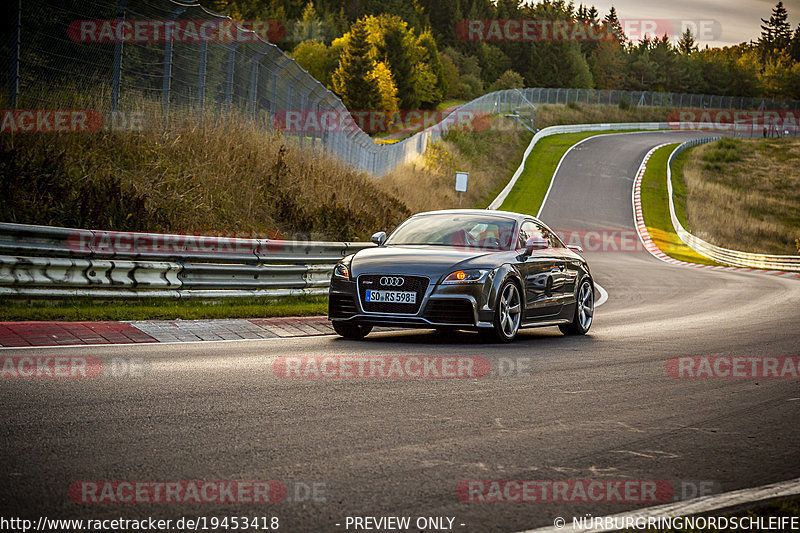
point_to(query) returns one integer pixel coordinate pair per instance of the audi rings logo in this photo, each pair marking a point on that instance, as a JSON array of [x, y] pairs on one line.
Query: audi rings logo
[[391, 281]]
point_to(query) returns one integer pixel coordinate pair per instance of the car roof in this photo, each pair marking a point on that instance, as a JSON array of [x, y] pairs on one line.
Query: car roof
[[493, 212]]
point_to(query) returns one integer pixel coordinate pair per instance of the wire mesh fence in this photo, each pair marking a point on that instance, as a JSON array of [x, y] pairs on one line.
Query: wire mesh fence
[[171, 58]]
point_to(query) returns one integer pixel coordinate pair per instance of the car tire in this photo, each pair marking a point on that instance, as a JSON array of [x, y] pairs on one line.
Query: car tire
[[507, 314], [584, 310], [351, 331]]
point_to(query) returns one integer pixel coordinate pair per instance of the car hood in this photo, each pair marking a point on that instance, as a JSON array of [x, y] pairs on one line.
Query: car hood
[[431, 261]]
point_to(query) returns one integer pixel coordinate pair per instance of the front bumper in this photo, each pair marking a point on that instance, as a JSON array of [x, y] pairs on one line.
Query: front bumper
[[457, 305]]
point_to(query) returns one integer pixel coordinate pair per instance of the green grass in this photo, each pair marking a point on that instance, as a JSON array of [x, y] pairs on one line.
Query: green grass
[[779, 508], [85, 309], [655, 205], [528, 194], [724, 151], [449, 103]]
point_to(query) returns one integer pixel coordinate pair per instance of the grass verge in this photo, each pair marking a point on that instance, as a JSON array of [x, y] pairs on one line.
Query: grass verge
[[91, 310], [655, 206], [528, 193], [744, 194]]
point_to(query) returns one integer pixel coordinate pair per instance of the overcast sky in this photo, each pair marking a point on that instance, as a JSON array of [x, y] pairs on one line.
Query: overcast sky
[[737, 20]]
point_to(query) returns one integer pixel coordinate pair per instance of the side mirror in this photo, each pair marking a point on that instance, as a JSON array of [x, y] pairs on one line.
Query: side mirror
[[536, 243], [575, 248], [379, 238]]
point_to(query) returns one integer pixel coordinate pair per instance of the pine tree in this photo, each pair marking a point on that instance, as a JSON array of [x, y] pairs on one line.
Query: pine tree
[[687, 44], [794, 47], [310, 27], [352, 80], [593, 15], [613, 25], [395, 45], [776, 33]]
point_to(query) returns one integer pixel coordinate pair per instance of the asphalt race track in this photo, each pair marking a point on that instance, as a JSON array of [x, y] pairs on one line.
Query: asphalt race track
[[598, 407]]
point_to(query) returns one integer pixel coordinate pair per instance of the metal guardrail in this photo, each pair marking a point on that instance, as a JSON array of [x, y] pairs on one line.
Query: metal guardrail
[[53, 262], [716, 253], [46, 262]]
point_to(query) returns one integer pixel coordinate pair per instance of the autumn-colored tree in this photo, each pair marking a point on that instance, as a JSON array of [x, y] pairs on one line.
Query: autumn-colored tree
[[387, 90], [352, 80]]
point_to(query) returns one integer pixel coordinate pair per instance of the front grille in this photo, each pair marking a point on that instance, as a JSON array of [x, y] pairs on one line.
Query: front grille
[[341, 306], [417, 284], [455, 311]]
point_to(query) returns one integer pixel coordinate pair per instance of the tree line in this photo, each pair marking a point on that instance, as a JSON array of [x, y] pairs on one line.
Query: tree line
[[399, 54]]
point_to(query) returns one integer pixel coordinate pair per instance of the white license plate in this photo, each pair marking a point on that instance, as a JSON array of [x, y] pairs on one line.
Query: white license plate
[[395, 297]]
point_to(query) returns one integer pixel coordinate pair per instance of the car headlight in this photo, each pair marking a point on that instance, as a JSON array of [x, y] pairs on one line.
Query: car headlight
[[475, 275], [341, 271]]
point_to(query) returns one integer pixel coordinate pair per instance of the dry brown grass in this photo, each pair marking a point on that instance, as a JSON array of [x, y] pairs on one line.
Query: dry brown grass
[[490, 157], [207, 173], [204, 174], [577, 113], [745, 194]]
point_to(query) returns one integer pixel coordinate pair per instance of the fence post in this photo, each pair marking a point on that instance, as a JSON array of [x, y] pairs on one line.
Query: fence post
[[166, 86], [116, 80], [254, 81], [13, 76], [275, 77], [201, 74], [229, 74]]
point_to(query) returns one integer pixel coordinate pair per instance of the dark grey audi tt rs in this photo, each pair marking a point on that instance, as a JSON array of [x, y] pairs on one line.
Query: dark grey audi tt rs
[[492, 271]]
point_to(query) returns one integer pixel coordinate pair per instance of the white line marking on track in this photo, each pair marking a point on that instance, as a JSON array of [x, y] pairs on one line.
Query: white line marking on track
[[703, 504], [603, 295]]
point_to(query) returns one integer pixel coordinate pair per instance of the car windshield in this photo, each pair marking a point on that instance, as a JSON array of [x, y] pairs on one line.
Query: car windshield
[[481, 232]]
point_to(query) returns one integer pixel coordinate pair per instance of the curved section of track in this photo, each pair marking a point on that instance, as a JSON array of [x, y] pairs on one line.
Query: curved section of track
[[600, 406]]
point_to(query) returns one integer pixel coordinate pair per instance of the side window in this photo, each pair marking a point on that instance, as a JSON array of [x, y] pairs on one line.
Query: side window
[[555, 242], [528, 230]]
